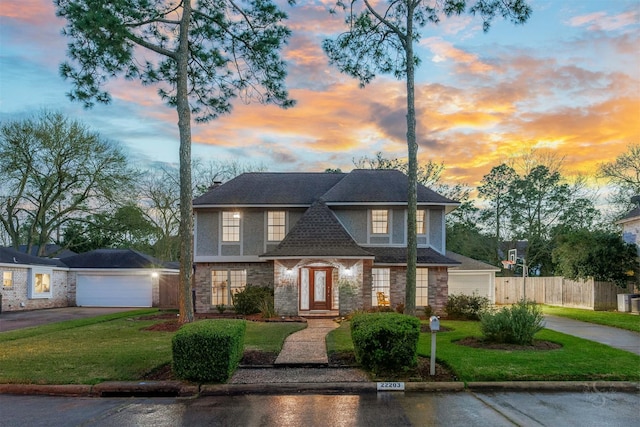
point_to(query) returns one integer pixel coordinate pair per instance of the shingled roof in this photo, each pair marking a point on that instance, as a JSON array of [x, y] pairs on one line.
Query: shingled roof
[[113, 258], [467, 263], [12, 256], [302, 189], [379, 186], [398, 255], [261, 188], [318, 233]]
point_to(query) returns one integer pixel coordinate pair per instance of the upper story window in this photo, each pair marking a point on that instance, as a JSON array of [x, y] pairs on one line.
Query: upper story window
[[7, 279], [276, 226], [230, 226], [379, 221], [421, 217]]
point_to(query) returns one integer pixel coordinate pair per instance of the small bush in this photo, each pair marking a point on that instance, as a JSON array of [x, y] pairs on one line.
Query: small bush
[[513, 325], [267, 309], [250, 299], [466, 307], [208, 350], [385, 341]]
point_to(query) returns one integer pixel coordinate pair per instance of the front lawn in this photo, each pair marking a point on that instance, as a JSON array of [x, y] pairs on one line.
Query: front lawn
[[628, 321], [577, 360], [114, 347]]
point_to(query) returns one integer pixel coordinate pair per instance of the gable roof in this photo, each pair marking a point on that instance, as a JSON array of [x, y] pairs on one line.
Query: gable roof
[[630, 216], [266, 188], [113, 258], [318, 233], [379, 186], [467, 263], [12, 256]]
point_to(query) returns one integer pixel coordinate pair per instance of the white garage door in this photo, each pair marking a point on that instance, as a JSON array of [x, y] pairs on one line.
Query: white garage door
[[114, 291], [468, 283]]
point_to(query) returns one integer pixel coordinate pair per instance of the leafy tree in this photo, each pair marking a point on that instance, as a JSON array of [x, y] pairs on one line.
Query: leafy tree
[[380, 38], [599, 255], [543, 202], [127, 227], [200, 57], [624, 175], [54, 170], [496, 188]]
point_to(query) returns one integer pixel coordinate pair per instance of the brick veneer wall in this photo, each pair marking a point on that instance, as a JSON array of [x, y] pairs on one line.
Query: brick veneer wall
[[438, 288], [258, 274], [15, 295]]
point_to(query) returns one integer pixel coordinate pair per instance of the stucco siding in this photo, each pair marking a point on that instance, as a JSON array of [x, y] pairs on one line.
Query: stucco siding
[[207, 233], [355, 222], [253, 233], [398, 226], [436, 236]]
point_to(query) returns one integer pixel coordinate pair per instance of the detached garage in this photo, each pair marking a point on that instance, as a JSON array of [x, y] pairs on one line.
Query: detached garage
[[101, 290], [117, 278], [472, 276]]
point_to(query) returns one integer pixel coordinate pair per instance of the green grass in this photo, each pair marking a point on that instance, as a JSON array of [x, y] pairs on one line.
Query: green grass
[[577, 360], [269, 336], [105, 348], [628, 321], [339, 340]]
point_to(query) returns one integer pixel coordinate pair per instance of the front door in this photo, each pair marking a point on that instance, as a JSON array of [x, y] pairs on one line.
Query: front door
[[320, 288]]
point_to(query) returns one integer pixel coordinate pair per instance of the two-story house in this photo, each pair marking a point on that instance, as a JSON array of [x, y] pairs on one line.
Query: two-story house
[[328, 243]]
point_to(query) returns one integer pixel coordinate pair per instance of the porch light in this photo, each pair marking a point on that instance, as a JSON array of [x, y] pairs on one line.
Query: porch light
[[348, 272], [289, 272], [236, 215], [155, 274]]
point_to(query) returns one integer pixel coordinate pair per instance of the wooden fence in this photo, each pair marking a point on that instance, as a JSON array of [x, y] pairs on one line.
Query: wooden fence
[[587, 294]]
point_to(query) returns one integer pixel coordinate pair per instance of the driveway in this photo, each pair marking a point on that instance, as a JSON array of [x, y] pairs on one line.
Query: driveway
[[12, 320]]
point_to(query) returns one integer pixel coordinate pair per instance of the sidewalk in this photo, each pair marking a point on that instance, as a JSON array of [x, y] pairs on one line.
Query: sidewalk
[[613, 337]]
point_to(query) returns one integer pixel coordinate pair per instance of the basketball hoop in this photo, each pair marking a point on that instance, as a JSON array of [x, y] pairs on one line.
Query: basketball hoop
[[507, 264]]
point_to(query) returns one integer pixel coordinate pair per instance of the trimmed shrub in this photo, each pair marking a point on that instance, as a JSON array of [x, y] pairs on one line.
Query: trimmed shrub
[[208, 350], [385, 341], [466, 307], [250, 300], [513, 325]]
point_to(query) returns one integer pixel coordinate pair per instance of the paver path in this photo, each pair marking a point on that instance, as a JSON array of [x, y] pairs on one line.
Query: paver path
[[307, 347]]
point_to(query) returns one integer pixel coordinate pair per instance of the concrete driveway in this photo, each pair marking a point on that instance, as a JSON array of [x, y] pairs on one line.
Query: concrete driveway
[[12, 320]]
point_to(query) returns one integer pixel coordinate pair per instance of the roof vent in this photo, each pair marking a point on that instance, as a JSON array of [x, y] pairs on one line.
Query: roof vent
[[215, 184]]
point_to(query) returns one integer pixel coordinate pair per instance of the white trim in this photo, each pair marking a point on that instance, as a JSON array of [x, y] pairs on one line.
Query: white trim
[[250, 205], [272, 258], [31, 292], [389, 204]]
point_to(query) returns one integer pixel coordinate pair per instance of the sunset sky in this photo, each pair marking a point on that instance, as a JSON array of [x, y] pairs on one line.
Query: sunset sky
[[568, 81]]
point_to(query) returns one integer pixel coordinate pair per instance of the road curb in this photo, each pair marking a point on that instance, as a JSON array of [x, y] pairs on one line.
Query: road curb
[[182, 389], [69, 390], [560, 386]]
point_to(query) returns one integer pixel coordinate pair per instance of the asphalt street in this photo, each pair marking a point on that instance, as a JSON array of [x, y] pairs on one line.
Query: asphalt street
[[589, 408]]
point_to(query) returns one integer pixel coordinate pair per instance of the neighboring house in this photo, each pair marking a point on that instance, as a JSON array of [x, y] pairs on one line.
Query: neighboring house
[[327, 243], [30, 282], [104, 277], [472, 276], [631, 225], [117, 278]]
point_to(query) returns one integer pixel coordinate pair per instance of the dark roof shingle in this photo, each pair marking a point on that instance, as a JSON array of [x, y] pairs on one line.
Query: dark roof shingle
[[398, 255], [12, 256], [318, 233], [113, 258]]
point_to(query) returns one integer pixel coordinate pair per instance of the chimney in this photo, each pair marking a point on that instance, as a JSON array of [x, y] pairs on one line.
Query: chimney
[[215, 184]]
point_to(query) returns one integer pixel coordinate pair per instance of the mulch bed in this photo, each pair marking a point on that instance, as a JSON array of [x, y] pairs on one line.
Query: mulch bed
[[479, 343]]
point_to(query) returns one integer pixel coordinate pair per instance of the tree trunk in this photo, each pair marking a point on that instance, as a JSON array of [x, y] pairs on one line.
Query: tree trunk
[[184, 125], [412, 241]]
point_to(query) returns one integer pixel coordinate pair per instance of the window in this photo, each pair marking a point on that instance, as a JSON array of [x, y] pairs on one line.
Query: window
[[7, 279], [381, 287], [420, 222], [276, 226], [230, 226], [225, 283], [379, 222], [40, 283], [422, 287]]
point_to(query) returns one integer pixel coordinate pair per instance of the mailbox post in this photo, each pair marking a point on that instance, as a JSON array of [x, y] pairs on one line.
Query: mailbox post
[[434, 325]]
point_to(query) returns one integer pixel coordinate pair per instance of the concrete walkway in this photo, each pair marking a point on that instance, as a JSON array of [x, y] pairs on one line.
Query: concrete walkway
[[307, 347], [613, 337]]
